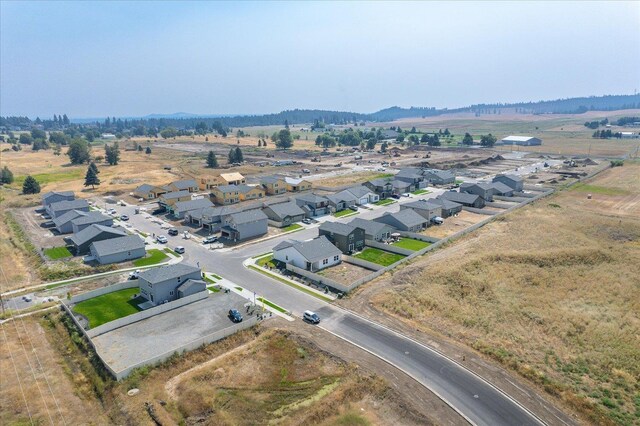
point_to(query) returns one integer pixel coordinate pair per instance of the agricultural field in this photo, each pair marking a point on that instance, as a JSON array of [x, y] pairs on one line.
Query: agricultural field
[[552, 302]]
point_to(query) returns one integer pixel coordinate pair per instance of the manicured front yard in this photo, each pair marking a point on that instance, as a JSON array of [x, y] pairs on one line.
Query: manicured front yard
[[153, 256], [384, 202], [292, 227], [378, 256], [108, 307], [345, 212], [411, 244], [273, 305], [267, 260], [57, 253], [420, 192]]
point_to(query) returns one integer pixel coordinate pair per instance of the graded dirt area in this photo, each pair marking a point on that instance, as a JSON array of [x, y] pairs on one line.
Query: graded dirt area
[[547, 291], [454, 224], [345, 273]]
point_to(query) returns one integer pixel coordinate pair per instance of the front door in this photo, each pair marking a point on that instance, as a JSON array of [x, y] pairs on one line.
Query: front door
[[351, 247]]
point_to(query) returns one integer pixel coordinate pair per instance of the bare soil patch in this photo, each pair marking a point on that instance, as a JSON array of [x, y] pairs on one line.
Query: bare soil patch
[[345, 273], [454, 224]]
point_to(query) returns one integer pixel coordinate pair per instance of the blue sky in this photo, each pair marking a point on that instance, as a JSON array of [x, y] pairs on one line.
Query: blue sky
[[92, 59]]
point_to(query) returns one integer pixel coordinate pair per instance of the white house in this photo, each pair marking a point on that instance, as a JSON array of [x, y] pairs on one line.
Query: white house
[[313, 255]]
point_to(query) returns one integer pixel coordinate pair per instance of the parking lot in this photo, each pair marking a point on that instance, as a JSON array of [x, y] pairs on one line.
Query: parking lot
[[142, 340]]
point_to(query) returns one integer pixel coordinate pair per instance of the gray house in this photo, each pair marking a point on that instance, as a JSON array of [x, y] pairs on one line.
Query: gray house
[[209, 217], [346, 237], [63, 223], [81, 241], [381, 186], [59, 208], [313, 255], [55, 196], [513, 181], [410, 175], [469, 200], [181, 208], [245, 225], [284, 214], [170, 282], [438, 177], [405, 220], [375, 231], [484, 190], [118, 249], [425, 209], [189, 185], [500, 188], [449, 208], [341, 200], [313, 205], [402, 187], [88, 219]]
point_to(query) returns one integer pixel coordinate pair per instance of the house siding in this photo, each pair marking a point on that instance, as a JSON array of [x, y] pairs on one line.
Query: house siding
[[159, 292]]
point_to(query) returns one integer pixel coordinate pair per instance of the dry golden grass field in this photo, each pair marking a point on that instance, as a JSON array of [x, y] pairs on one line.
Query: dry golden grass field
[[551, 291]]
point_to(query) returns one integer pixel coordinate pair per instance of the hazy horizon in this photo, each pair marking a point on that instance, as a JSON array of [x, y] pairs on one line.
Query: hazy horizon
[[135, 59]]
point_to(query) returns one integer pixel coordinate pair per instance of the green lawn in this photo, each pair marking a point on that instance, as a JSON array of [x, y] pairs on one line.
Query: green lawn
[[213, 289], [57, 253], [171, 252], [345, 212], [109, 307], [292, 227], [384, 202], [420, 192], [267, 260], [595, 189], [273, 305], [144, 234], [61, 176], [378, 256], [153, 256], [411, 244]]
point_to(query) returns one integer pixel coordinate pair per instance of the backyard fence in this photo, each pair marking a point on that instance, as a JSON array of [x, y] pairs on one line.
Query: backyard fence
[[388, 247], [104, 290], [361, 262]]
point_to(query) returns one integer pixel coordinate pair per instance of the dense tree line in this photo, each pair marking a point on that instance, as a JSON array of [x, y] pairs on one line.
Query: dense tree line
[[627, 120], [606, 134]]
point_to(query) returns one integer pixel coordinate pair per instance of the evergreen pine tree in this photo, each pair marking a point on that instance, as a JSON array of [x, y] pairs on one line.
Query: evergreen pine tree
[[30, 186], [212, 161], [6, 176], [239, 156], [148, 150], [232, 156], [94, 168], [91, 178]]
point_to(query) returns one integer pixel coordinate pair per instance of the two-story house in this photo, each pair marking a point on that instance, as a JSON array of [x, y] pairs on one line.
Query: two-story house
[[171, 282], [273, 185]]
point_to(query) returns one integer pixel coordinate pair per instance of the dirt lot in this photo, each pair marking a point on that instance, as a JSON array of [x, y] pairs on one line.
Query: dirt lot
[[345, 273], [277, 372], [454, 224], [551, 304]]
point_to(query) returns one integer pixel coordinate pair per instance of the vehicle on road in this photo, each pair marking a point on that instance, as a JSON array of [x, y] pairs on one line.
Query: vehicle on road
[[161, 239], [311, 317], [306, 221], [306, 171], [111, 211], [134, 275], [173, 232], [234, 315], [395, 196], [210, 240], [179, 250], [124, 217], [382, 169], [26, 298]]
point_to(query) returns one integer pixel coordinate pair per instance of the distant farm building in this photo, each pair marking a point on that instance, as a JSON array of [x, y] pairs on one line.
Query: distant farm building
[[520, 140]]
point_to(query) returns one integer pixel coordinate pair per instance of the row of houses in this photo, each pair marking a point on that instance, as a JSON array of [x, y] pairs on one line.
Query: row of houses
[[409, 180]]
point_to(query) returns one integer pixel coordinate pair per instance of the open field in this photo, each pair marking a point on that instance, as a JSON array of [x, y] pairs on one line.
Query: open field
[[454, 224], [378, 256], [547, 291], [351, 178], [108, 307]]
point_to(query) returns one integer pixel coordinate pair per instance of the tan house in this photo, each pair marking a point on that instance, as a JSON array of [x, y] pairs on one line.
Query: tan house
[[149, 192], [248, 192], [183, 185], [297, 185], [209, 182], [225, 194], [170, 198], [273, 185]]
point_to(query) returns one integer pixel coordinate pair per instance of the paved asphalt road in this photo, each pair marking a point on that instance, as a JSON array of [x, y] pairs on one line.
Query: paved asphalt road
[[471, 396]]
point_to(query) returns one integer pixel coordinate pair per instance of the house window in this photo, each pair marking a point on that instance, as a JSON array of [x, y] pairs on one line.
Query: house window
[[171, 293], [286, 257], [325, 262], [335, 258], [350, 237]]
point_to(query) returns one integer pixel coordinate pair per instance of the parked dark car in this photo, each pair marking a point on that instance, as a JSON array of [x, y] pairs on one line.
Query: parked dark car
[[234, 315], [173, 232], [210, 240], [354, 208], [396, 196]]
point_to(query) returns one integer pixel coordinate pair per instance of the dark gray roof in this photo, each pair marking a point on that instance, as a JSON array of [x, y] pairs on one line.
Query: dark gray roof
[[68, 205], [337, 228], [184, 184], [89, 218], [284, 244], [67, 217], [312, 198], [481, 185], [407, 217], [358, 191], [167, 272], [243, 189], [199, 203], [248, 216], [345, 195], [145, 187], [380, 181], [191, 283], [446, 204], [270, 179], [283, 210], [64, 193], [369, 226], [461, 197], [317, 249], [117, 245], [175, 194], [90, 232], [422, 205], [442, 174], [514, 178], [400, 184], [412, 173], [501, 188], [226, 188]]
